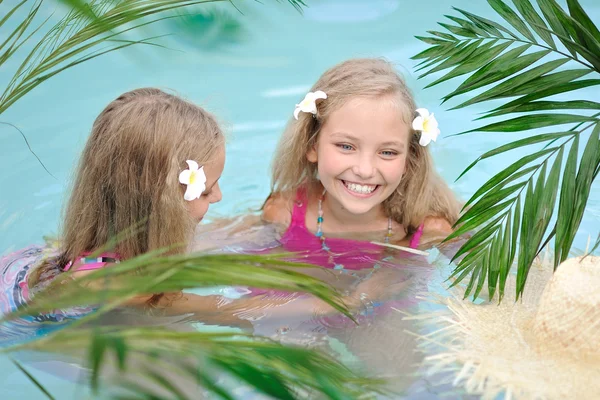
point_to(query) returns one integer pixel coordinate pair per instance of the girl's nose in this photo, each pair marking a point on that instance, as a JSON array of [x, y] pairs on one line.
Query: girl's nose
[[216, 194], [364, 168]]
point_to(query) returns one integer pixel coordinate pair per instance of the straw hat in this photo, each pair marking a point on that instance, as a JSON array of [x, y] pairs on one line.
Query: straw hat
[[546, 346]]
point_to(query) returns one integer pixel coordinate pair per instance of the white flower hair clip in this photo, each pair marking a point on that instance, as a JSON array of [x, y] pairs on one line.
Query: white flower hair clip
[[195, 179], [309, 105], [427, 125]]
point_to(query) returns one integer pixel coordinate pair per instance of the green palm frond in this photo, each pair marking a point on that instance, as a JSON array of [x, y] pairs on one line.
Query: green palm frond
[[32, 379], [199, 358], [276, 370], [81, 5], [544, 51], [155, 274], [594, 247], [83, 34], [89, 29]]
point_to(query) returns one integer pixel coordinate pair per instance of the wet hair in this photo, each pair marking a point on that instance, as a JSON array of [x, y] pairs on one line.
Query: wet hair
[[421, 193], [127, 183]]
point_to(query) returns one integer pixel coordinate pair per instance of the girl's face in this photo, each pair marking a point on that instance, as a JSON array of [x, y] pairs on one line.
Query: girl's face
[[212, 194], [361, 153]]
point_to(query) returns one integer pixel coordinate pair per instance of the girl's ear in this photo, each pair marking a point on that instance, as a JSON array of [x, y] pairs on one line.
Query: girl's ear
[[311, 155]]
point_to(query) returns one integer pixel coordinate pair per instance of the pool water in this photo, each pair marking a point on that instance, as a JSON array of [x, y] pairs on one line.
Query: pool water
[[251, 76]]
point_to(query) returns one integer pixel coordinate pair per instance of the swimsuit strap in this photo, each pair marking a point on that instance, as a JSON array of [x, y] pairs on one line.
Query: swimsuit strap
[[416, 238], [299, 211], [87, 263]]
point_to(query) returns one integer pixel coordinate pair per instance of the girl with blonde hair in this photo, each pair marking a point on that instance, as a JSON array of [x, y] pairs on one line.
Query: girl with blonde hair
[[355, 159], [153, 162]]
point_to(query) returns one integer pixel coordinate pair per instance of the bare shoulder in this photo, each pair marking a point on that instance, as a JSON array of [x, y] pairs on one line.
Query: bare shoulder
[[278, 208], [437, 225]]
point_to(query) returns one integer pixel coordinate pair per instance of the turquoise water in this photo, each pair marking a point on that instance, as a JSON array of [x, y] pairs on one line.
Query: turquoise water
[[252, 85], [251, 77]]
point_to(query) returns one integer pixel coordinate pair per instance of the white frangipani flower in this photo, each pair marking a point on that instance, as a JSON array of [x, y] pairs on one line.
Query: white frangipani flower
[[427, 125], [195, 179], [309, 105]]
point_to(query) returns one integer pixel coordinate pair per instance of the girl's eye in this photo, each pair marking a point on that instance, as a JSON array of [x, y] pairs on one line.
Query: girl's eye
[[389, 153], [344, 146]]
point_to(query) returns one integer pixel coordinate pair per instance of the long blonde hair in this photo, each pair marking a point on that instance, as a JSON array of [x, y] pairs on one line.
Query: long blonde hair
[[421, 193], [128, 177]]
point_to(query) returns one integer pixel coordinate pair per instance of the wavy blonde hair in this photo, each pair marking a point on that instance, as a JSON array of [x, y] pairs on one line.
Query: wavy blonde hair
[[421, 193], [127, 178]]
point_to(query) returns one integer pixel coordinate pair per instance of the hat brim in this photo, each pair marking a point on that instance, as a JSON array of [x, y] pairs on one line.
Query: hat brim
[[490, 348]]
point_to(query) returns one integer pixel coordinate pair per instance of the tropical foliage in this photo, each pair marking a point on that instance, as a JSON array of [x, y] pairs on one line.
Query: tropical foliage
[[539, 51], [198, 357], [202, 360], [86, 31]]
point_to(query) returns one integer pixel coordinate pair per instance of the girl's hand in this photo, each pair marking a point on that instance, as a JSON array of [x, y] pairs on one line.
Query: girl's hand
[[383, 284]]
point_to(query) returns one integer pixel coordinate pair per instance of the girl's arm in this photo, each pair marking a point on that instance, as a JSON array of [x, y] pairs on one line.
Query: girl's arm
[[235, 231], [436, 230], [220, 310], [385, 283], [437, 225], [278, 209]]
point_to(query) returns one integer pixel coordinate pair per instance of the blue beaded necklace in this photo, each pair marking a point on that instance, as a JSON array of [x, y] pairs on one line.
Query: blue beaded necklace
[[321, 236]]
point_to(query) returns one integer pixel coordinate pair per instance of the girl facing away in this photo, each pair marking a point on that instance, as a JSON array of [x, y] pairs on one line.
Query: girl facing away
[[152, 158], [352, 162]]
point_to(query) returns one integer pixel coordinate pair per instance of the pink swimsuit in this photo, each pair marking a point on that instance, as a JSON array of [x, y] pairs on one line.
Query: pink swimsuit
[[335, 253], [339, 253]]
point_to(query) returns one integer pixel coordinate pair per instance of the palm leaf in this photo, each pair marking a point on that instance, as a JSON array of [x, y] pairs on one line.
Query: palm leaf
[[570, 212], [580, 15], [155, 274], [546, 106], [200, 357], [534, 21], [480, 55], [77, 34], [512, 18], [505, 88], [89, 30], [549, 91], [595, 246], [540, 53], [258, 362], [32, 379]]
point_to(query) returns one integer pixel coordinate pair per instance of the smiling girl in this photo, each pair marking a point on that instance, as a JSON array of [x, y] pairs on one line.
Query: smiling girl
[[354, 162]]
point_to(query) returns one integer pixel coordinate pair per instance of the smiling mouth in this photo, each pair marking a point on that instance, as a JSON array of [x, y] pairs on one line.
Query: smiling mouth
[[359, 189]]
